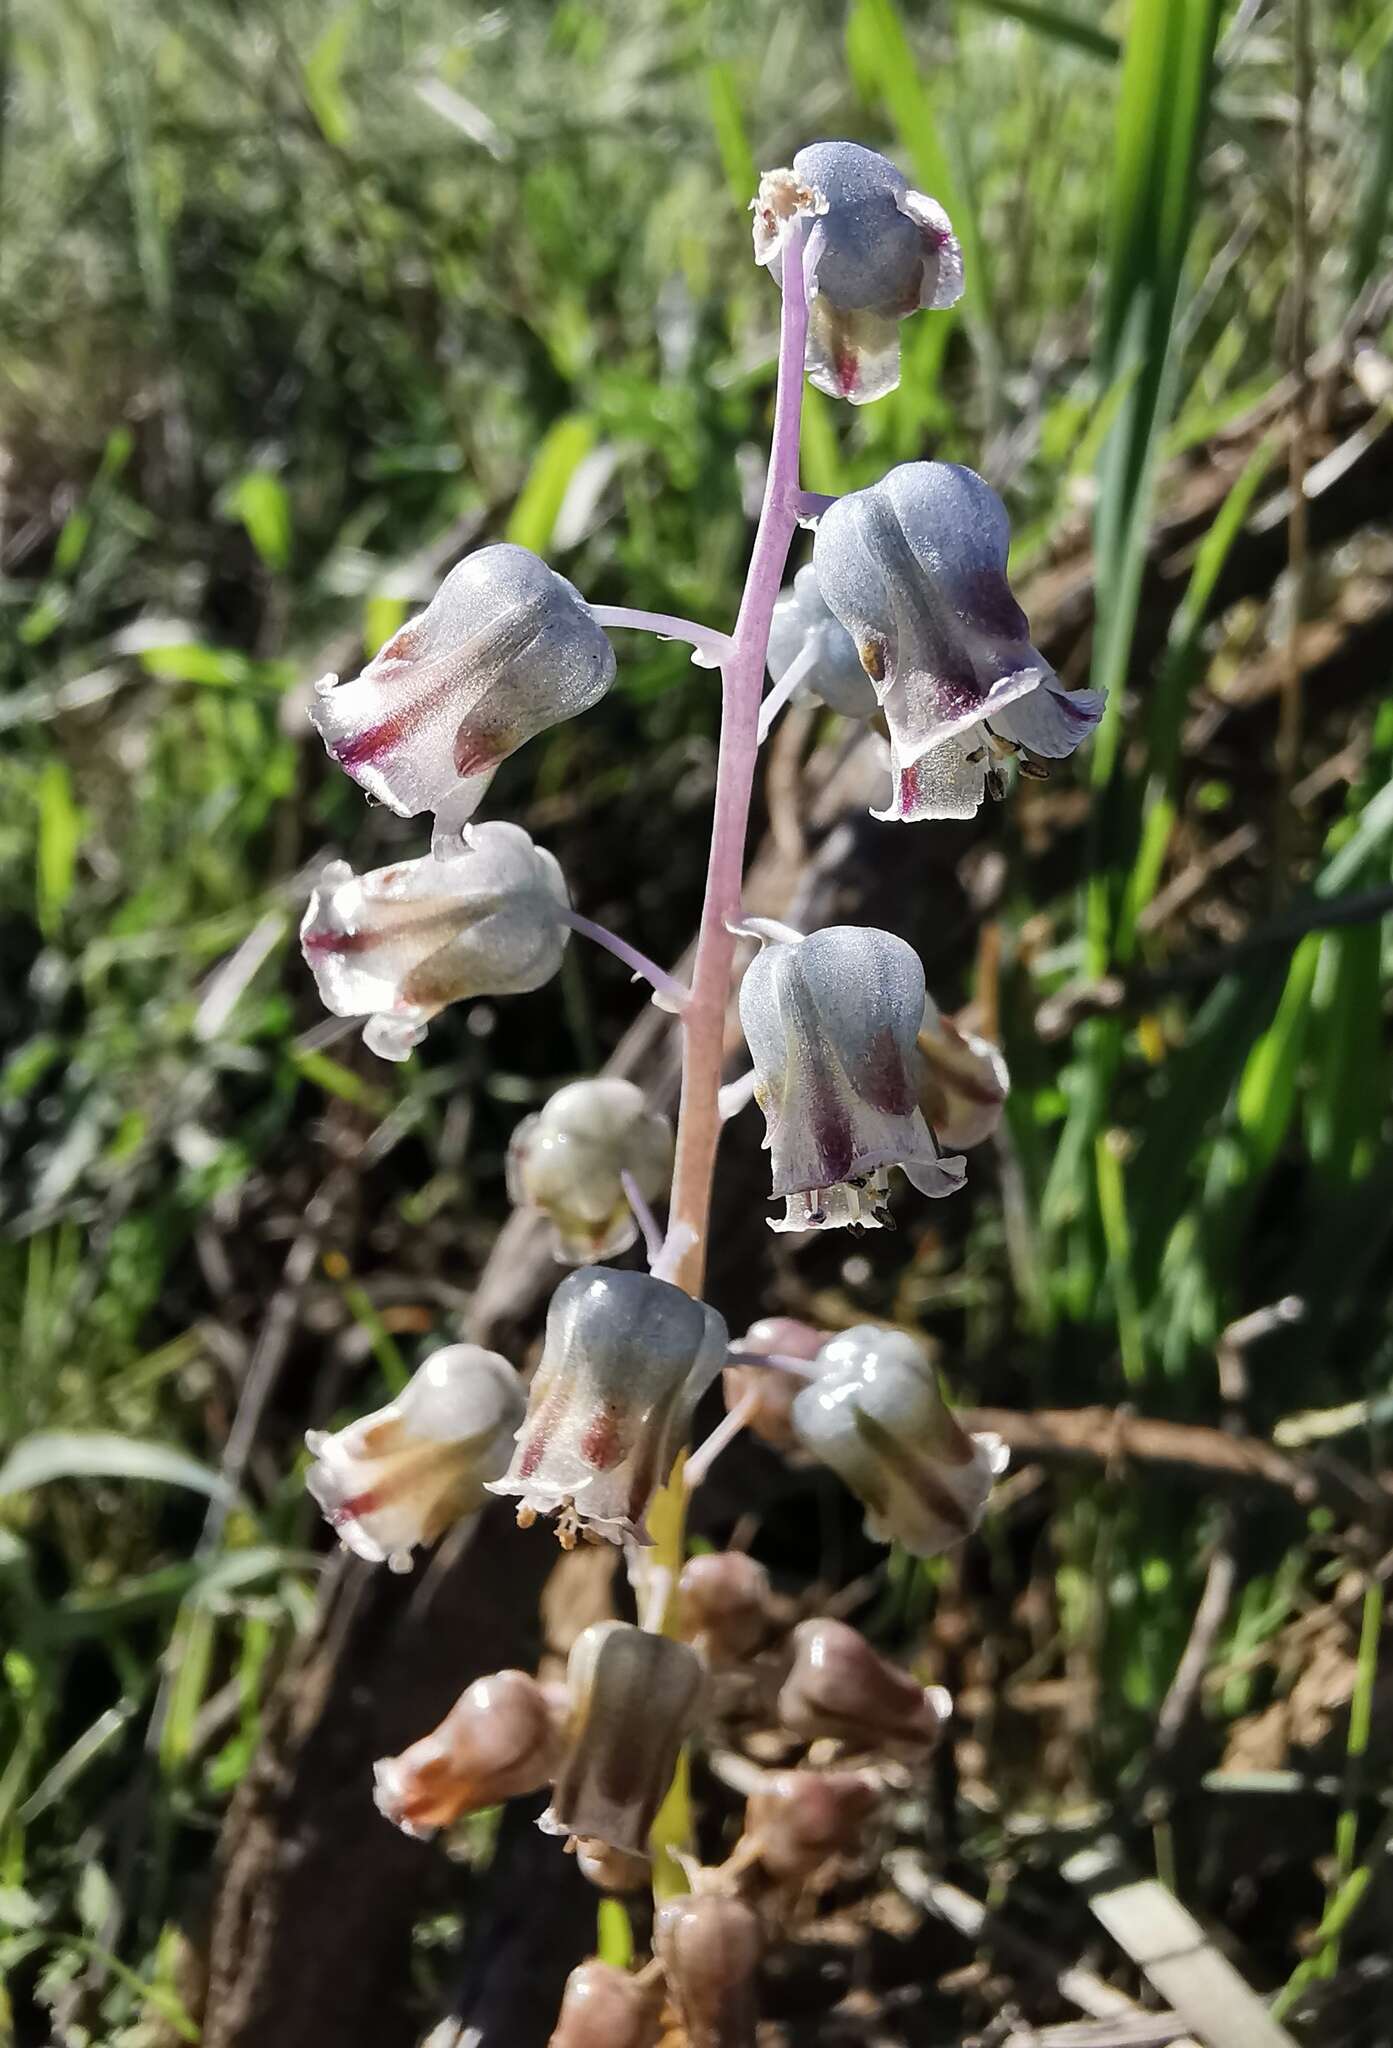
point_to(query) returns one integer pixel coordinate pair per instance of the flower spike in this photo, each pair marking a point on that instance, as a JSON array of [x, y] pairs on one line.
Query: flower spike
[[915, 569], [831, 1023], [395, 946], [505, 649]]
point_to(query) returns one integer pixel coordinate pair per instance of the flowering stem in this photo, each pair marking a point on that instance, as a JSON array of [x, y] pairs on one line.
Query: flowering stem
[[675, 993], [705, 639]]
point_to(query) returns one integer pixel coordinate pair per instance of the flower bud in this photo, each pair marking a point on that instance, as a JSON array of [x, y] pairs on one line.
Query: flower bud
[[710, 1949], [878, 1418], [395, 946], [404, 1474], [625, 1360], [915, 569], [498, 1741], [604, 2007], [838, 1686], [726, 1604], [802, 626], [569, 1161], [612, 1870], [505, 648], [886, 251], [800, 1819], [831, 1023], [774, 1390], [964, 1082], [634, 1698]]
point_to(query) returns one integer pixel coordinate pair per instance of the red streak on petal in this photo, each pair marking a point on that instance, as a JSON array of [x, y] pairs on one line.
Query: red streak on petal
[[354, 1508], [847, 365], [531, 1455], [473, 755], [359, 748], [601, 1444], [316, 941], [883, 1081]]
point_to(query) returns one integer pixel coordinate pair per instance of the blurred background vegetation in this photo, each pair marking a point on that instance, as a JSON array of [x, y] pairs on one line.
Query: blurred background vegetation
[[299, 300]]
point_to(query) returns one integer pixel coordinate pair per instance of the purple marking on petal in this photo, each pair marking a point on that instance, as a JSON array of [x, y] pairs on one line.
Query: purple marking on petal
[[832, 1135], [884, 1080]]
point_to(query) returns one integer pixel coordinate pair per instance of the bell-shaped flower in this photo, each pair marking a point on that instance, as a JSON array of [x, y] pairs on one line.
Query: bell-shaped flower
[[799, 1820], [764, 1393], [395, 946], [915, 569], [406, 1473], [504, 649], [877, 1417], [570, 1161], [625, 1360], [885, 252], [605, 2007], [838, 1686], [710, 1948], [804, 631], [634, 1698], [831, 1023], [499, 1740], [963, 1082], [726, 1604]]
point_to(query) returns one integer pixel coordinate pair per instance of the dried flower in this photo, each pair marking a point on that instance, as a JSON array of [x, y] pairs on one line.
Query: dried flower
[[402, 1475], [395, 946], [885, 252], [964, 1082], [838, 1686], [799, 1819], [634, 1697], [877, 1417], [726, 1604], [710, 1949], [773, 1391], [915, 569], [803, 629], [625, 1361], [569, 1161], [505, 648], [604, 2007], [498, 1741], [831, 1023]]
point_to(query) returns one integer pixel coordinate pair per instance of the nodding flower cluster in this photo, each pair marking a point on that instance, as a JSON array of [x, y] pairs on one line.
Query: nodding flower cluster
[[902, 621]]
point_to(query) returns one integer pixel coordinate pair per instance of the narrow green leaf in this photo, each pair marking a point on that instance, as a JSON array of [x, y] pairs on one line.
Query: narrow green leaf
[[564, 446], [614, 1934], [260, 501], [322, 76], [732, 142], [1058, 25], [98, 1454], [61, 826]]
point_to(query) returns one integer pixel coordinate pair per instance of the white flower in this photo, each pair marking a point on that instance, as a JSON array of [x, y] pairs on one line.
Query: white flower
[[885, 252], [804, 630], [831, 1023], [504, 649], [569, 1161], [498, 1741], [395, 946], [915, 569], [406, 1473], [964, 1082], [625, 1360], [876, 1416]]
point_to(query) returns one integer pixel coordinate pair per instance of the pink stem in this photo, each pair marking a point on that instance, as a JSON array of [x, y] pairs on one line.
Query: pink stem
[[742, 680], [674, 993]]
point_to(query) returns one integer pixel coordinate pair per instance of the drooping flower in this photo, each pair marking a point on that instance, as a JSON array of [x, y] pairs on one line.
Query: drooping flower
[[625, 1361], [964, 1082], [504, 649], [915, 569], [634, 1698], [798, 1820], [831, 1023], [878, 1418], [804, 630], [569, 1161], [395, 946], [839, 1686], [885, 252], [406, 1473], [710, 1948], [769, 1391], [605, 2007], [499, 1740]]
